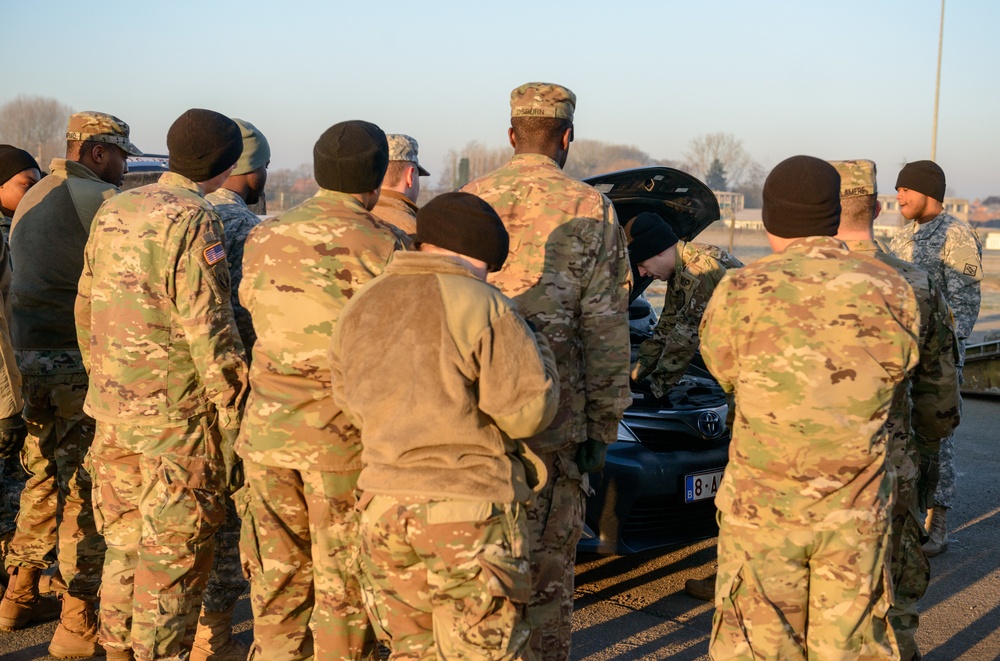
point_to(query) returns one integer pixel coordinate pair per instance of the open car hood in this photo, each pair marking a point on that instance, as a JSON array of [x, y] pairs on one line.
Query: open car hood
[[688, 205]]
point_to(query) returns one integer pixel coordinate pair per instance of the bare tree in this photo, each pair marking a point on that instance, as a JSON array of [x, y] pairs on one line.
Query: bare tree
[[36, 124], [590, 157], [470, 162], [288, 187], [724, 147]]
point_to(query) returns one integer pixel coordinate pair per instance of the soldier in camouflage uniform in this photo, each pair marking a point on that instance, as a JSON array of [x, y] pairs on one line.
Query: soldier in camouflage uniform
[[397, 205], [167, 381], [951, 252], [18, 173], [924, 410], [57, 515], [692, 270], [302, 455], [245, 186], [813, 340], [568, 273], [443, 525]]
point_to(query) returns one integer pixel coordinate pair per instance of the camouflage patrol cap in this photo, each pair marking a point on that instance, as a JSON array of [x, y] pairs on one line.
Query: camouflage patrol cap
[[100, 127], [404, 148], [542, 100], [857, 178]]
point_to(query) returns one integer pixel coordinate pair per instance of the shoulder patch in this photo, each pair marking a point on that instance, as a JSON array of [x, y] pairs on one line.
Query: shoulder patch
[[214, 253]]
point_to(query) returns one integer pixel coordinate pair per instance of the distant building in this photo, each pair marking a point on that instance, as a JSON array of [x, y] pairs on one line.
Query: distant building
[[890, 217], [729, 203]]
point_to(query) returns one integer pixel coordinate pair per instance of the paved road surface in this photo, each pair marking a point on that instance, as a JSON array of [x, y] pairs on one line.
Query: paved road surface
[[631, 608]]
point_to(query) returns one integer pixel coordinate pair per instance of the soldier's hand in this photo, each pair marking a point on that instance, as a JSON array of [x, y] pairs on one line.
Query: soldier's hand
[[590, 455], [233, 462], [13, 431], [930, 472]]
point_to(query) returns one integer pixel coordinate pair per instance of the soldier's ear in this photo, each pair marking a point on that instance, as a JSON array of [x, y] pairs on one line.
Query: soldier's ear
[[411, 174], [510, 136], [878, 209], [567, 138]]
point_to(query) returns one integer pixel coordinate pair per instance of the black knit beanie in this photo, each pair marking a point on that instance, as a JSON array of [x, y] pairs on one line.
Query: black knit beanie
[[466, 224], [802, 198], [648, 235], [203, 144], [925, 177], [14, 160], [351, 157]]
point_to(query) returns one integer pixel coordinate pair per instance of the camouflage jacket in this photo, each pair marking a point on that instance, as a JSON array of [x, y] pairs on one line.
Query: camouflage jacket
[[397, 210], [300, 269], [950, 251], [51, 228], [428, 336], [568, 272], [153, 315], [10, 378], [814, 341], [926, 408], [237, 221], [665, 356]]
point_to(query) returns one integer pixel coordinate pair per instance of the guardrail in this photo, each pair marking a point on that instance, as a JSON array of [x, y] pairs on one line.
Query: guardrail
[[982, 368]]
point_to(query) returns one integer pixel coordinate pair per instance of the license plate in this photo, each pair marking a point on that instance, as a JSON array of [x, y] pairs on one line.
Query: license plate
[[699, 486]]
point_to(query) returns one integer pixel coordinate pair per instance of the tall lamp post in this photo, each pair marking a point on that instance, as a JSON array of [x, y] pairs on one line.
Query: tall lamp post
[[937, 87]]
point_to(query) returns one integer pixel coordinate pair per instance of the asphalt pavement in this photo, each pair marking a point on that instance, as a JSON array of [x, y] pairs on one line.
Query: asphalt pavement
[[634, 607]]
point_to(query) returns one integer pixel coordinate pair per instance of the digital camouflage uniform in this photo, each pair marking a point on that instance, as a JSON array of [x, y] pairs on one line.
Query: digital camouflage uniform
[[443, 527], [665, 356], [814, 341], [237, 221], [167, 373], [924, 410], [568, 273], [950, 251], [57, 508], [302, 456]]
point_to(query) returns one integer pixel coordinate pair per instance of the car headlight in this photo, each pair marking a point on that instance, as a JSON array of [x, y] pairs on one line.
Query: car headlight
[[625, 434]]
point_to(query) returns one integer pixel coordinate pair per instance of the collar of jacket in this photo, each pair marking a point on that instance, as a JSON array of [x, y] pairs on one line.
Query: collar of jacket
[[226, 196], [341, 198], [411, 262], [923, 231], [539, 159], [180, 181], [807, 243], [60, 167], [867, 246], [399, 197]]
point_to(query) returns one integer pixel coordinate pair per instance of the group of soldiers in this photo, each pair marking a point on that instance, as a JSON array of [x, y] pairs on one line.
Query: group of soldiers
[[384, 417]]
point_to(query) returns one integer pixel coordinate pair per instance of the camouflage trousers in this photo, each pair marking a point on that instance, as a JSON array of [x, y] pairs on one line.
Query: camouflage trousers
[[56, 515], [12, 478], [446, 580], [158, 501], [797, 593], [226, 581], [299, 544], [945, 494], [911, 574], [555, 524]]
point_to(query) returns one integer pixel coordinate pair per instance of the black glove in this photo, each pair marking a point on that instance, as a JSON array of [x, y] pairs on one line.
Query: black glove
[[930, 472], [13, 431], [233, 462], [590, 455]]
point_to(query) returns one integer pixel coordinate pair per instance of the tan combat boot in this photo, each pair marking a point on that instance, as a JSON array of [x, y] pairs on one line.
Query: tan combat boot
[[22, 604], [213, 638], [52, 582], [937, 528], [703, 589], [120, 655], [76, 635]]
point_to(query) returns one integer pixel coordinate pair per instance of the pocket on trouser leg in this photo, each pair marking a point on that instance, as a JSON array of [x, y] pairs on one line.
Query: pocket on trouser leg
[[189, 506], [250, 560], [564, 522], [175, 620]]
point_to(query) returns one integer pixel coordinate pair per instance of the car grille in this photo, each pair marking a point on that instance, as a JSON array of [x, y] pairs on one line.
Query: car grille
[[663, 520]]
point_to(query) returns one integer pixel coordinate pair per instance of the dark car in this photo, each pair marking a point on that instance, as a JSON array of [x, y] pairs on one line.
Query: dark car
[[146, 169], [658, 485]]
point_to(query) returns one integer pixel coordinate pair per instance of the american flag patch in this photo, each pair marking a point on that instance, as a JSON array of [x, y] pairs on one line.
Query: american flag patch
[[215, 253]]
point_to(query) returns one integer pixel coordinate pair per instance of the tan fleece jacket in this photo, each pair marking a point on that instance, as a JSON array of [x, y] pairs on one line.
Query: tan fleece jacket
[[440, 373]]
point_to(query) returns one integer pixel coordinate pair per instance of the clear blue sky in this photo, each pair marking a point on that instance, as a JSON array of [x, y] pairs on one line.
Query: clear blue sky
[[846, 79]]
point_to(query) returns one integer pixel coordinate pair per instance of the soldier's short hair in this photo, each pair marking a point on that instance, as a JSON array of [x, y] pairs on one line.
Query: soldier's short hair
[[77, 148], [394, 173], [857, 213], [539, 131]]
